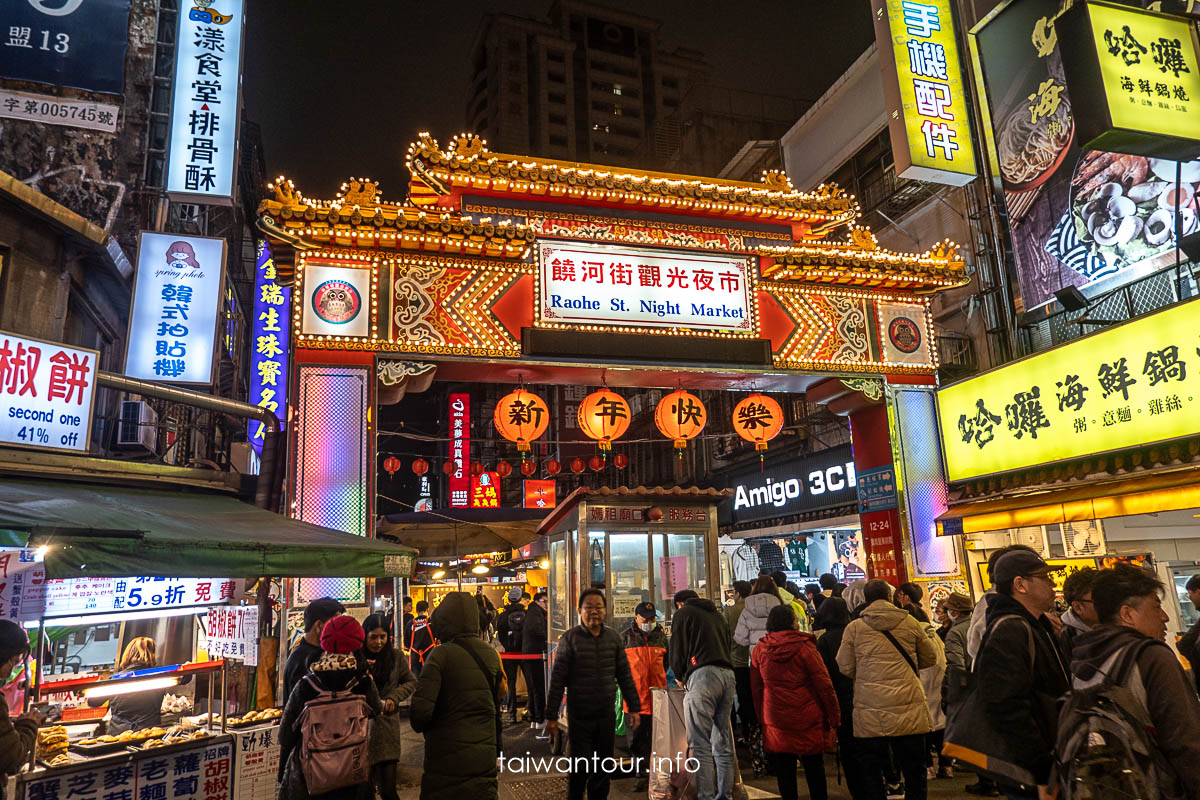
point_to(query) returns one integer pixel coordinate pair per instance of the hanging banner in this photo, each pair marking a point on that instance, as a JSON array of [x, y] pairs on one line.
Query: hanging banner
[[928, 121], [176, 305], [540, 494], [270, 343], [1135, 77], [66, 43], [1086, 218], [232, 632], [202, 151], [459, 479], [46, 394]]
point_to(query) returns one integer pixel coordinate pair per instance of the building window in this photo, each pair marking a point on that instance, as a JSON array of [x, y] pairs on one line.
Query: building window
[[670, 83], [617, 111], [556, 57], [558, 141], [556, 97], [558, 119], [616, 88], [556, 77]]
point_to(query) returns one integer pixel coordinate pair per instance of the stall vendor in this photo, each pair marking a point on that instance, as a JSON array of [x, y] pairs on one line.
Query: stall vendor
[[16, 735], [136, 710]]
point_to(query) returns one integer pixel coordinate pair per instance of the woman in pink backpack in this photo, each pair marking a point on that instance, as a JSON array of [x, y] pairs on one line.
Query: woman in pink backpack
[[335, 681]]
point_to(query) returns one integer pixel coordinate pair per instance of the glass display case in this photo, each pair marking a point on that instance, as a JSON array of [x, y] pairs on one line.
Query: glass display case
[[1180, 574]]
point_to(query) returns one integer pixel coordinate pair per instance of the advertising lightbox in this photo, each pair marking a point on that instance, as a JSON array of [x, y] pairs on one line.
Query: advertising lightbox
[[47, 393]]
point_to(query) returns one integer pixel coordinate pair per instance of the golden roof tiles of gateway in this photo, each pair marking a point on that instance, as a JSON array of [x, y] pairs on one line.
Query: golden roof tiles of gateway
[[861, 260], [469, 166]]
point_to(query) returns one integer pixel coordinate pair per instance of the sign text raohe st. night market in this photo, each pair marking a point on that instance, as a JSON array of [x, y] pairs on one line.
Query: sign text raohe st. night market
[[1131, 385], [602, 285], [46, 393], [932, 94]]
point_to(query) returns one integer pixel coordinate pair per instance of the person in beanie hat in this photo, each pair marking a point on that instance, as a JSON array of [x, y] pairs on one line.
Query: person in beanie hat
[[509, 626], [16, 735], [336, 670]]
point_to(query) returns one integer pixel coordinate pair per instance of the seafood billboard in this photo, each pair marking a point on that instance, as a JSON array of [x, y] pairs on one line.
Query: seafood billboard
[[1083, 218]]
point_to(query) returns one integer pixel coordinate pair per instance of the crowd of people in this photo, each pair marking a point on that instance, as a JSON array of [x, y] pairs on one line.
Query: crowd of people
[[1037, 703]]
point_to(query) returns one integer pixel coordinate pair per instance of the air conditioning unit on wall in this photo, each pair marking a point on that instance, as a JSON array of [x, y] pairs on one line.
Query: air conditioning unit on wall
[[138, 427]]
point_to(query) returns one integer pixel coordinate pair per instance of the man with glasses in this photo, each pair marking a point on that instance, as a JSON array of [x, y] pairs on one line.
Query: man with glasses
[[1081, 617], [589, 664], [1023, 672], [16, 734]]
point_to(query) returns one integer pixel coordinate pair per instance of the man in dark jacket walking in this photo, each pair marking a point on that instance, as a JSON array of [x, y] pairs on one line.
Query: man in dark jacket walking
[[456, 706], [702, 662], [509, 627], [1022, 686], [533, 640], [1189, 644], [589, 663], [1128, 603]]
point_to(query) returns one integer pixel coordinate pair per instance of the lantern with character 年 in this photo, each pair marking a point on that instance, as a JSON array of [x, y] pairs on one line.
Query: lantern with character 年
[[604, 415], [521, 416]]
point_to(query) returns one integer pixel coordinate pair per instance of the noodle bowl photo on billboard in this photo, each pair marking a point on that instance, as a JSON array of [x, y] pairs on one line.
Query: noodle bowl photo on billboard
[[1083, 218]]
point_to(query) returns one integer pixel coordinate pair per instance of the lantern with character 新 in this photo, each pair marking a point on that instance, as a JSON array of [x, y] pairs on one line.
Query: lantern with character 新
[[758, 419], [521, 416], [604, 415], [680, 416]]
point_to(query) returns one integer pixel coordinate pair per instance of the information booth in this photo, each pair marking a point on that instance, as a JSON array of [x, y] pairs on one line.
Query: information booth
[[636, 544]]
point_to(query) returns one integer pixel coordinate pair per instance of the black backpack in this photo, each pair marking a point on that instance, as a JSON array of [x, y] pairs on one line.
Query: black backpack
[[516, 622], [1106, 744]]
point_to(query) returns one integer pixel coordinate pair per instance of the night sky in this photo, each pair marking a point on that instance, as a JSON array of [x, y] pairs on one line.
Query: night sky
[[342, 88]]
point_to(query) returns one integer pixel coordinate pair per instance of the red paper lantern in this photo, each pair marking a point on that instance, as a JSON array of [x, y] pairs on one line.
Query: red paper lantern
[[553, 467], [680, 416], [521, 417], [448, 467], [758, 419], [620, 461], [476, 468], [604, 415], [504, 469], [420, 466], [654, 514], [391, 464], [596, 463], [528, 468], [577, 465]]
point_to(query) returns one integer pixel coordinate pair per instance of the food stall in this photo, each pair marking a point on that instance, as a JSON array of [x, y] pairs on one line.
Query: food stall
[[69, 567]]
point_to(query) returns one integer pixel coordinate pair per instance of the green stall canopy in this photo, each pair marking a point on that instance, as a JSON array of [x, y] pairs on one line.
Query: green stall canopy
[[101, 531]]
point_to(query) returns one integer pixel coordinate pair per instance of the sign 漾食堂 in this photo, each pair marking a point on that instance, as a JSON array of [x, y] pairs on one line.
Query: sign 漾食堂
[[1135, 79], [1127, 386], [632, 288], [929, 122], [202, 150], [46, 393], [66, 43], [822, 480], [176, 305]]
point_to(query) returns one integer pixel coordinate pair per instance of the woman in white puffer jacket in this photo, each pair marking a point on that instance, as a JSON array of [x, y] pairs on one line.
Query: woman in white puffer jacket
[[752, 624]]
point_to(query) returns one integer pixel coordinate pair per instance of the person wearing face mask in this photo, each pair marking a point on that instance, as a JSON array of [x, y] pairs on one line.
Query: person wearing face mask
[[16, 735], [533, 640], [646, 648], [395, 683]]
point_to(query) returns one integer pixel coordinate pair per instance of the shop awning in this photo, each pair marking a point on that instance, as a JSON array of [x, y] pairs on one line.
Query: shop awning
[[107, 531], [453, 533], [1099, 499]]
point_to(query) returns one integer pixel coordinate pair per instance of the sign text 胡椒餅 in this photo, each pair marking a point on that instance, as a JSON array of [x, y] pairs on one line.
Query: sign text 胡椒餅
[[202, 151], [269, 343], [1130, 385], [1135, 79], [176, 305], [46, 393], [612, 286], [822, 480], [929, 125]]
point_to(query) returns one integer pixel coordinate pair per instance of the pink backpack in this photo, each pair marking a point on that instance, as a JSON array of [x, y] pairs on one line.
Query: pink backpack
[[335, 731]]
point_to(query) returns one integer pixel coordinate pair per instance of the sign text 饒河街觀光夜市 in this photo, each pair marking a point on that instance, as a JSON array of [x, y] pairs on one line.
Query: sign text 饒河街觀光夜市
[[1131, 385], [612, 286]]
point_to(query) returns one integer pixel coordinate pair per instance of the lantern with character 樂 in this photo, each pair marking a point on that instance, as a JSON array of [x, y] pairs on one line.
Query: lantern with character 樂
[[758, 419]]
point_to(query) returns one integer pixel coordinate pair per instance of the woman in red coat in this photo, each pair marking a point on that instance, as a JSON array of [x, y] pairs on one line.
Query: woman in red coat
[[795, 701]]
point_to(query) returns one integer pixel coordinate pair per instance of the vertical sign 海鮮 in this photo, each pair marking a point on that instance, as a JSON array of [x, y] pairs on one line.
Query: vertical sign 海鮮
[[76, 43], [46, 393], [202, 152], [928, 119], [459, 479], [176, 304], [268, 343]]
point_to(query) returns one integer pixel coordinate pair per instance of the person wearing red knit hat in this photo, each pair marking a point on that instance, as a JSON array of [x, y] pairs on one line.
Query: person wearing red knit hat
[[337, 670]]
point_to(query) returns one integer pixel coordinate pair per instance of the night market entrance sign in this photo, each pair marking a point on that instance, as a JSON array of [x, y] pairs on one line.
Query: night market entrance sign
[[500, 257], [1131, 385]]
